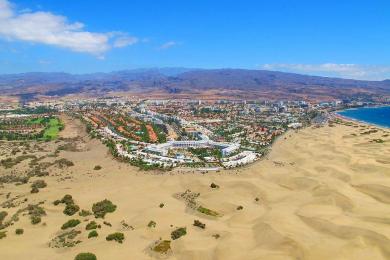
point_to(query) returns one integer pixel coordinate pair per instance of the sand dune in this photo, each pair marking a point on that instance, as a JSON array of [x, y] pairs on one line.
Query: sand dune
[[348, 233], [320, 194], [377, 191]]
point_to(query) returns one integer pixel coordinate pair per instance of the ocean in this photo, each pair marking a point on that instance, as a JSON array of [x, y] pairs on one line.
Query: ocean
[[373, 115]]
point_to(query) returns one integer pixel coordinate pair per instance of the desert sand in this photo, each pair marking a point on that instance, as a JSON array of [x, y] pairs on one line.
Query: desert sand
[[321, 193]]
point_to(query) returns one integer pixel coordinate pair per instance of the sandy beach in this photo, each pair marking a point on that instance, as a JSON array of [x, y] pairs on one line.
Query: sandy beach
[[321, 193]]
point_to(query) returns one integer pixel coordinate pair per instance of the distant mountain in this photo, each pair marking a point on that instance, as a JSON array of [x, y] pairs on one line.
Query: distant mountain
[[253, 79], [171, 82], [35, 78]]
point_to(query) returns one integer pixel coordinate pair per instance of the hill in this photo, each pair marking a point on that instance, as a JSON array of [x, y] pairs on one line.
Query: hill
[[193, 83]]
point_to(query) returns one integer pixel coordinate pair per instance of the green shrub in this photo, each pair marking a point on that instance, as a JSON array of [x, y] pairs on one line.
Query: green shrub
[[3, 214], [97, 167], [34, 190], [240, 207], [91, 225], [214, 186], [85, 213], [197, 223], [3, 234], [39, 184], [71, 209], [126, 226], [70, 223], [35, 212], [161, 205], [152, 224], [85, 256], [93, 233], [207, 211], [117, 236], [107, 223], [163, 247], [65, 239], [19, 231], [178, 233], [62, 163], [35, 220], [67, 199], [100, 209]]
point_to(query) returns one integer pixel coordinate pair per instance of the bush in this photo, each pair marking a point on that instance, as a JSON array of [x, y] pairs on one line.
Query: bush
[[3, 234], [35, 220], [65, 239], [100, 209], [3, 214], [35, 212], [240, 207], [85, 213], [91, 225], [71, 209], [152, 224], [178, 233], [70, 223], [97, 167], [207, 211], [34, 190], [19, 231], [85, 256], [214, 186], [39, 184], [163, 247], [93, 233], [161, 205], [197, 223], [62, 163], [107, 223], [67, 199], [117, 236]]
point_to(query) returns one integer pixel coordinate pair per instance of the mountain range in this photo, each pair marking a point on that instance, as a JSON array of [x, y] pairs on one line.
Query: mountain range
[[192, 83]]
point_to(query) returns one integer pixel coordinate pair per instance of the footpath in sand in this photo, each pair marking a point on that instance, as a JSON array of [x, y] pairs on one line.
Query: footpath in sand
[[322, 193]]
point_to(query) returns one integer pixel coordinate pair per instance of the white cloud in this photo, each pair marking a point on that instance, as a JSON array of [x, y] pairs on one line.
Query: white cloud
[[354, 71], [125, 41], [56, 30], [5, 9], [168, 45]]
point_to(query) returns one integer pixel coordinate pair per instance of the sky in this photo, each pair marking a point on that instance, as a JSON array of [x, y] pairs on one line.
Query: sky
[[343, 38]]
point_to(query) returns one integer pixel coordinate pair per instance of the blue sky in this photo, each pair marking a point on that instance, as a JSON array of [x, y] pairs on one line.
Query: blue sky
[[331, 38]]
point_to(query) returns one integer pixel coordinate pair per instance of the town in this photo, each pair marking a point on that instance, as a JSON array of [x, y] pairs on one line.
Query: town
[[164, 134]]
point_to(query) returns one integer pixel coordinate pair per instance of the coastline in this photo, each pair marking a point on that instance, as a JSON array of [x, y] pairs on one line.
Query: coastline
[[351, 119]]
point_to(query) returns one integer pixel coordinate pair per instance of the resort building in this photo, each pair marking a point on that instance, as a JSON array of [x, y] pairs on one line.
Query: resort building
[[162, 149]]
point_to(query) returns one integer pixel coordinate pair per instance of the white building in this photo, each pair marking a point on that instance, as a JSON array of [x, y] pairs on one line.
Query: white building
[[162, 149]]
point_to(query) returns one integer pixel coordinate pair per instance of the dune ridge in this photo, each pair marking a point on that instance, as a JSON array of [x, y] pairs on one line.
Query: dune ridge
[[322, 193]]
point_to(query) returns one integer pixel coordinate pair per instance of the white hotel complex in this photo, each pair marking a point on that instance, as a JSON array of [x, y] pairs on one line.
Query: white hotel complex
[[205, 142]]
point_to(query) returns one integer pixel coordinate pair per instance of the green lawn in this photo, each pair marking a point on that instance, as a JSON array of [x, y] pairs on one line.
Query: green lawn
[[52, 129], [36, 120]]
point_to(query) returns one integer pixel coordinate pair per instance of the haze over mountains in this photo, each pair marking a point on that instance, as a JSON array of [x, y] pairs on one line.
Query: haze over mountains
[[183, 82]]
